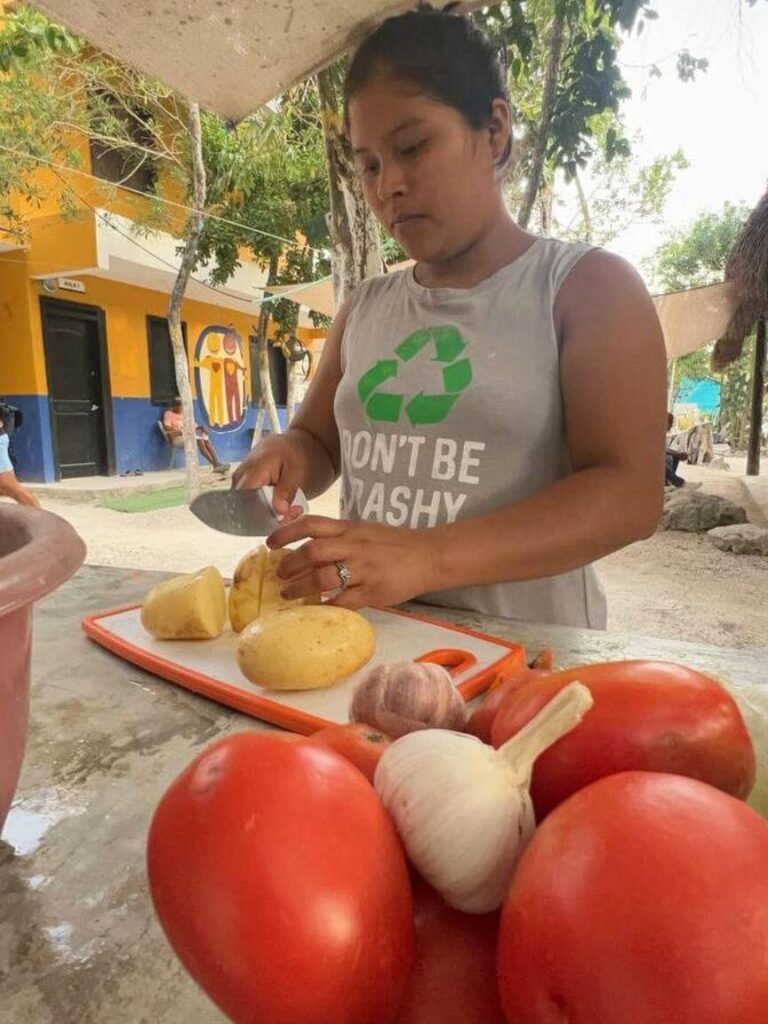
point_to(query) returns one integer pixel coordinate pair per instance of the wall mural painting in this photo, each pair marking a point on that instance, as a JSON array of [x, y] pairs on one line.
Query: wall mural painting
[[220, 377]]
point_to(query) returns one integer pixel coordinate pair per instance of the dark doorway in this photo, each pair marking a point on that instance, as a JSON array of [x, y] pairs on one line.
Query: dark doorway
[[74, 338], [278, 373]]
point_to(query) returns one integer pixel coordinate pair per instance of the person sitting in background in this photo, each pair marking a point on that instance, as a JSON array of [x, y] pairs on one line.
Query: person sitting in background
[[672, 458], [9, 484], [173, 422]]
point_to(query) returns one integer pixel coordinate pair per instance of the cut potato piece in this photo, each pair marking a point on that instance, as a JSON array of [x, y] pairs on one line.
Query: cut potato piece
[[255, 589], [245, 592], [305, 648], [192, 607], [270, 590]]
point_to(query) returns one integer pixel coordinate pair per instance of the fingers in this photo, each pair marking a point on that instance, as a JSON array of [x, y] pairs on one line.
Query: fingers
[[292, 514], [282, 499], [313, 555], [352, 598], [323, 579], [305, 528], [253, 473]]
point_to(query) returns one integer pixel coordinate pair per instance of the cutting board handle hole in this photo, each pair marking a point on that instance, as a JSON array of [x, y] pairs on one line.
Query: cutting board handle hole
[[455, 661]]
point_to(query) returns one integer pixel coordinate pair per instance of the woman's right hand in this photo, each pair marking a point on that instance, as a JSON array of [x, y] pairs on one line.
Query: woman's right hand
[[275, 461]]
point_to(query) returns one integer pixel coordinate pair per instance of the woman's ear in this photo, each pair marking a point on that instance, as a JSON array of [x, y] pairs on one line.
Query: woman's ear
[[500, 130]]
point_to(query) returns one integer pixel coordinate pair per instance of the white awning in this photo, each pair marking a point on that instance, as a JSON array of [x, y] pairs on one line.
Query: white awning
[[694, 318], [690, 319], [231, 58]]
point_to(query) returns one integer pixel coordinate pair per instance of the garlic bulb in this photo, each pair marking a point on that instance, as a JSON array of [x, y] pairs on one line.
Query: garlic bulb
[[400, 697], [463, 809]]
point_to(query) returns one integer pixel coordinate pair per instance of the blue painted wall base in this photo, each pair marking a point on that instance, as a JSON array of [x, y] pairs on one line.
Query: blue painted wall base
[[31, 445], [138, 441]]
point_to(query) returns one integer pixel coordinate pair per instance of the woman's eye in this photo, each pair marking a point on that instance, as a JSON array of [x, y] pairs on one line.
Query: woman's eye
[[413, 149]]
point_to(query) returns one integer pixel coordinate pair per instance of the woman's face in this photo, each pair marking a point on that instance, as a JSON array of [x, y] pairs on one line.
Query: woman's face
[[429, 178]]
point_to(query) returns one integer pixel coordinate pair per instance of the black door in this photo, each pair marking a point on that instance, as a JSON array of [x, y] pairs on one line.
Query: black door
[[278, 373], [75, 356]]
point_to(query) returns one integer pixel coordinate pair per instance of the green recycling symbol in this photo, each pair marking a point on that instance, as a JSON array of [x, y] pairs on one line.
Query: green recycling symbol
[[386, 407]]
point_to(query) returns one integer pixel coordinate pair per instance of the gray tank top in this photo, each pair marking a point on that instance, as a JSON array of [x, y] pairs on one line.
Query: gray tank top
[[450, 406]]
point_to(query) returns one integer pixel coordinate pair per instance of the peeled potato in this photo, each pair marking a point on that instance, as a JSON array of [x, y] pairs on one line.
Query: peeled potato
[[305, 648], [255, 589], [245, 592], [270, 590], [192, 607]]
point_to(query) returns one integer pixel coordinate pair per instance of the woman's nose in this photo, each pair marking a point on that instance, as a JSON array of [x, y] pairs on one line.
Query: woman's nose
[[391, 181]]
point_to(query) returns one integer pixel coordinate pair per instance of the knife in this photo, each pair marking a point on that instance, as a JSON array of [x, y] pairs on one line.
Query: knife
[[243, 513]]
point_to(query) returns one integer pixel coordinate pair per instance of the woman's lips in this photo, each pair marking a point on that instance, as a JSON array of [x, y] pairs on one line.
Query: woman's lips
[[406, 218]]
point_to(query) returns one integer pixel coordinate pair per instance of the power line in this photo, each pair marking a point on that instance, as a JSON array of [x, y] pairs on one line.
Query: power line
[[154, 198], [106, 218]]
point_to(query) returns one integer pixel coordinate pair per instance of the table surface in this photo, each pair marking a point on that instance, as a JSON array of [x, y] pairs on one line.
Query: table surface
[[79, 943]]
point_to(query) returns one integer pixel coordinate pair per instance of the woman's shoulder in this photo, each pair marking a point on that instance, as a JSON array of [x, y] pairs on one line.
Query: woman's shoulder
[[381, 285]]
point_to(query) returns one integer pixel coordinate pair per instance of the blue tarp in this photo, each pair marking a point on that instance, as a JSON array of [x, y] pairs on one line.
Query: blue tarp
[[704, 393]]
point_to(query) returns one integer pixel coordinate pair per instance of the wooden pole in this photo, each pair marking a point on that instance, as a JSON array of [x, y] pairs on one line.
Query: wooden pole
[[758, 392]]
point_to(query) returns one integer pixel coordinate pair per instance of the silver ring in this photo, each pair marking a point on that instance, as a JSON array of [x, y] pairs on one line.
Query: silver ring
[[345, 576]]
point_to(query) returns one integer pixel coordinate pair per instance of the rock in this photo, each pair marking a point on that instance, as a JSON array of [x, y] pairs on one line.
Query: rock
[[718, 463], [744, 539], [698, 512]]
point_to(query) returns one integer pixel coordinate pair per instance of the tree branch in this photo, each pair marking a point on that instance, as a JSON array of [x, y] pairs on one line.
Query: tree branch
[[539, 151], [194, 227]]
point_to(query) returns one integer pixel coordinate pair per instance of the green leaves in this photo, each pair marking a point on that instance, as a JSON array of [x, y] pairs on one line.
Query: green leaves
[[697, 256], [25, 34]]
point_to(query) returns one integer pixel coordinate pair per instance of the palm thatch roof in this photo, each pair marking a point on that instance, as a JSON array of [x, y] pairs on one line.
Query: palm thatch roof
[[747, 270]]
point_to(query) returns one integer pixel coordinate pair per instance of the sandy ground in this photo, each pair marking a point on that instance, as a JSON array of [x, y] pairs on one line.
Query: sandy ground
[[672, 585]]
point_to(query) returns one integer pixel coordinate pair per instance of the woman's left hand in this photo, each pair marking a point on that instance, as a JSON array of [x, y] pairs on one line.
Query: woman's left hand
[[387, 564]]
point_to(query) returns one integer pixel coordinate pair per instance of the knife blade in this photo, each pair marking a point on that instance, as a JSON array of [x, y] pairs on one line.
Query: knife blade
[[243, 513]]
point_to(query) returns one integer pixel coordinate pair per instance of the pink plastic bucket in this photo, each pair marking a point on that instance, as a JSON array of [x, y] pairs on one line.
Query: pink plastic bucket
[[38, 552]]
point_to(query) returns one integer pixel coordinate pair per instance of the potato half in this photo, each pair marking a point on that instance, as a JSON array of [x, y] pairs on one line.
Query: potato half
[[305, 648], [255, 589], [192, 607]]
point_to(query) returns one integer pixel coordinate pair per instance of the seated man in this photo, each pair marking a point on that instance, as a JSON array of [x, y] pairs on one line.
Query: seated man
[[671, 459], [174, 424]]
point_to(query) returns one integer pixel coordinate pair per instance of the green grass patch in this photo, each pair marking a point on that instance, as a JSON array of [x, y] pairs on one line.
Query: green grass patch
[[168, 497]]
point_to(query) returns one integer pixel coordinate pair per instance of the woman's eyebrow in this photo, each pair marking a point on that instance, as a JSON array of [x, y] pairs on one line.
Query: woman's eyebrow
[[408, 123]]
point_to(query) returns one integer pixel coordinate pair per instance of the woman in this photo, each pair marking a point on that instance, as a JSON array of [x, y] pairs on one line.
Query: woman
[[9, 484], [496, 412]]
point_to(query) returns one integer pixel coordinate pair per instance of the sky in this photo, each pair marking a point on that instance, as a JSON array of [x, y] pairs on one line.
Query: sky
[[720, 120]]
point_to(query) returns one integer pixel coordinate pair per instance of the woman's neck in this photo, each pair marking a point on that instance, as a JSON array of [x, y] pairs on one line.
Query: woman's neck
[[500, 244]]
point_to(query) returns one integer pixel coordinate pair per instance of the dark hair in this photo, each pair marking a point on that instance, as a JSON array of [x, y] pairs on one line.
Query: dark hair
[[441, 52]]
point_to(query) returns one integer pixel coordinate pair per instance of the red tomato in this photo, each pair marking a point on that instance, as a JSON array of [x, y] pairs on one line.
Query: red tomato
[[481, 720], [453, 980], [647, 716], [641, 900], [361, 744], [282, 886]]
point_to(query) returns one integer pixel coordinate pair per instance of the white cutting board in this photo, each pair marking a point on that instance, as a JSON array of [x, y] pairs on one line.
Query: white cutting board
[[210, 667]]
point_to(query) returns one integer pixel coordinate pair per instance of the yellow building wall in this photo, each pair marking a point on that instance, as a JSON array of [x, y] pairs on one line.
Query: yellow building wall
[[22, 366], [126, 308]]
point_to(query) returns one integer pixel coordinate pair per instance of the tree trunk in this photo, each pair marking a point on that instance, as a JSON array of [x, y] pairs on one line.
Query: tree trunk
[[671, 384], [290, 403], [180, 359], [267, 400], [541, 140], [355, 251], [584, 207]]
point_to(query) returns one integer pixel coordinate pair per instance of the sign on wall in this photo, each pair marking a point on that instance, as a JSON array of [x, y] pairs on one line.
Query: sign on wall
[[221, 377]]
